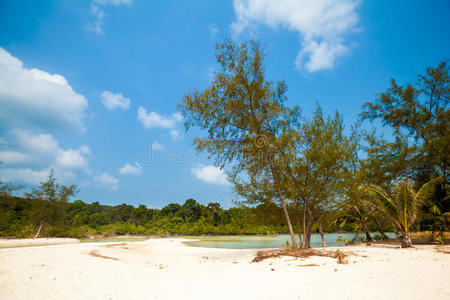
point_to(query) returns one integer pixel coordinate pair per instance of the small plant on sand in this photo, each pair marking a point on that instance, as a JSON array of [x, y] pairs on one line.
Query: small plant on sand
[[401, 205], [342, 239]]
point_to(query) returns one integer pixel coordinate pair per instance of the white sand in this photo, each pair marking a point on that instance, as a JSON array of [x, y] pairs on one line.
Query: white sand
[[35, 242], [167, 269]]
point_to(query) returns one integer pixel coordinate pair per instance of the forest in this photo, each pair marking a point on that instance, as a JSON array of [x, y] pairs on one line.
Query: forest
[[291, 174]]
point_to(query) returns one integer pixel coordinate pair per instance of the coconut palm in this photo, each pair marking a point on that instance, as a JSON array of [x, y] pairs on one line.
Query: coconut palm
[[401, 205]]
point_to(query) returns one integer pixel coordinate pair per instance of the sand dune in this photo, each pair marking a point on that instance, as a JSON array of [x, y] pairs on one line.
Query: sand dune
[[167, 269]]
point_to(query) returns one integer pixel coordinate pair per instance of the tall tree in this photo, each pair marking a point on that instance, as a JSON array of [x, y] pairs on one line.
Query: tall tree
[[49, 202], [244, 116]]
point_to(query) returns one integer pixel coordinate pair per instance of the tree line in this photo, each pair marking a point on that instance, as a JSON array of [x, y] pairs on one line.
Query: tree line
[[48, 211]]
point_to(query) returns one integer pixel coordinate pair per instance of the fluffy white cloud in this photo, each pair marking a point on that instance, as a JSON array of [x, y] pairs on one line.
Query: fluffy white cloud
[[210, 174], [25, 175], [112, 101], [128, 169], [321, 24], [30, 156], [107, 180], [32, 97], [13, 157], [153, 119]]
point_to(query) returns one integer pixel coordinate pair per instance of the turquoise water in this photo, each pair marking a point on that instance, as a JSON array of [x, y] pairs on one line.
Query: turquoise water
[[114, 239], [255, 242]]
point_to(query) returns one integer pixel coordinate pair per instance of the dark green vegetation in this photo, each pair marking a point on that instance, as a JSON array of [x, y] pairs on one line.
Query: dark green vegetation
[[294, 174], [26, 216]]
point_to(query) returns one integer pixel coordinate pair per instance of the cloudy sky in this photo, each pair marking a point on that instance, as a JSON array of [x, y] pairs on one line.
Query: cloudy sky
[[89, 88]]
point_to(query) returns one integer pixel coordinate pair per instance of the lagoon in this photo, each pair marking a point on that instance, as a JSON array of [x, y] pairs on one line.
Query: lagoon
[[260, 241]]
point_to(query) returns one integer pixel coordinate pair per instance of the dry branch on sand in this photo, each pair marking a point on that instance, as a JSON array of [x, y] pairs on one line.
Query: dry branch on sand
[[122, 245], [443, 249], [96, 254], [303, 253]]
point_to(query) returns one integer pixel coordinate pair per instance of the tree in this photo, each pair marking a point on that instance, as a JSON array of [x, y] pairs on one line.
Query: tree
[[419, 111], [401, 205], [49, 202], [244, 116], [314, 179]]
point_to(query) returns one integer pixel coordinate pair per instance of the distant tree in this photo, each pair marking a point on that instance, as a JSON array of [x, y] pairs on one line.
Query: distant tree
[[215, 212], [170, 209], [402, 204], [8, 189], [49, 202]]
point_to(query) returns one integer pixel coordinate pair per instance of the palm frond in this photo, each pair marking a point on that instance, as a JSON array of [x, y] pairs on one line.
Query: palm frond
[[384, 202], [427, 189]]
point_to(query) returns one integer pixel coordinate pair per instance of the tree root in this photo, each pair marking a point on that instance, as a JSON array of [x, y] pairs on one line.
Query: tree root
[[303, 253]]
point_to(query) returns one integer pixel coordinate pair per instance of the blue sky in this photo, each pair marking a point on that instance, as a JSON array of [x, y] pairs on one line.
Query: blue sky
[[90, 88]]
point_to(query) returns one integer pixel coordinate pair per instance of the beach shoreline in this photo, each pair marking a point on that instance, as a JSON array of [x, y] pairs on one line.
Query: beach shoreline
[[165, 268]]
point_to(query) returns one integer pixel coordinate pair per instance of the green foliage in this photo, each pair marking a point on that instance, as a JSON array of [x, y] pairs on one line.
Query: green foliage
[[82, 220]]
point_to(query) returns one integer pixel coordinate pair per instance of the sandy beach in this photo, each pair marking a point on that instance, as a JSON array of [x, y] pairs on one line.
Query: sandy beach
[[168, 269]]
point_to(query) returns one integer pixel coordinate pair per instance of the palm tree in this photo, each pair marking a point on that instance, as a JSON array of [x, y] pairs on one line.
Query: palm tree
[[401, 205]]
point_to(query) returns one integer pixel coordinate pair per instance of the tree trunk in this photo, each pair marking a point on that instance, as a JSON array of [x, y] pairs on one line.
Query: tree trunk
[[304, 225], [366, 231], [380, 229], [307, 244], [300, 235], [324, 242], [406, 240], [39, 231], [286, 213], [353, 240]]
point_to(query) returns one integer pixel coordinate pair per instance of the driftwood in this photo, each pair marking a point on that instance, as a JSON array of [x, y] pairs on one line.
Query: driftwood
[[303, 253], [96, 254]]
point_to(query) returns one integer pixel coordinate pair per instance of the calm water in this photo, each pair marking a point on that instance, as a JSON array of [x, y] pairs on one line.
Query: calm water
[[252, 242], [120, 239]]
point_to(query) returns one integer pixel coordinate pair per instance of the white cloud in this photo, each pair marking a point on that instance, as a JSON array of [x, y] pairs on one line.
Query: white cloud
[[107, 180], [112, 101], [174, 133], [25, 175], [97, 25], [72, 159], [155, 120], [30, 154], [32, 97], [321, 25], [13, 157], [157, 146], [128, 169], [210, 174]]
